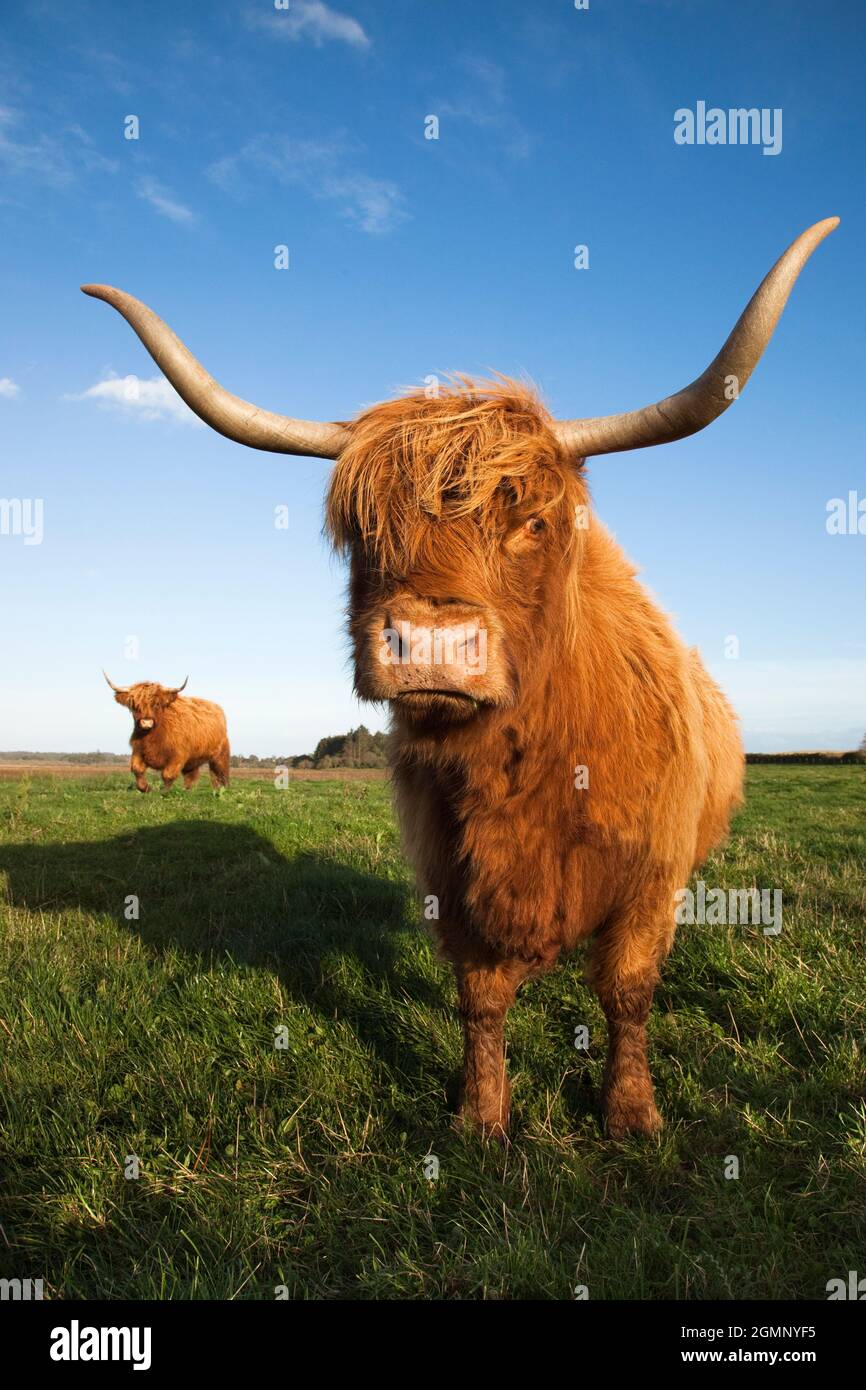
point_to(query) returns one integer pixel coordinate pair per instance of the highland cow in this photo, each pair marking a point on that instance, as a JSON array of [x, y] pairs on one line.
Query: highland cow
[[174, 734], [561, 790]]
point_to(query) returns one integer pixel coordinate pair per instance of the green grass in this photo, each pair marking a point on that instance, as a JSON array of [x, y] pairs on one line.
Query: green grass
[[304, 1166]]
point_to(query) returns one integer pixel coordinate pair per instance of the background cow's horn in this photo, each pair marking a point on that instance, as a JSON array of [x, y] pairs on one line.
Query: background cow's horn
[[228, 414], [120, 689], [699, 404]]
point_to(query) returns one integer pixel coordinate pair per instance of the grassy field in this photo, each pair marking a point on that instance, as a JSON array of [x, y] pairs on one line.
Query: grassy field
[[304, 1166]]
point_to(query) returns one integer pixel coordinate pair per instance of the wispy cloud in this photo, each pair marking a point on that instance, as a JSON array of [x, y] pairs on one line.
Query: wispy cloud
[[162, 199], [146, 399], [111, 68], [9, 389], [485, 103], [312, 20], [324, 169], [376, 205], [56, 156]]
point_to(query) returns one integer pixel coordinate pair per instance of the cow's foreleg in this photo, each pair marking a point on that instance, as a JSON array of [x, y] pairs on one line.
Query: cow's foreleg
[[190, 776], [486, 989], [170, 774], [624, 971], [139, 772]]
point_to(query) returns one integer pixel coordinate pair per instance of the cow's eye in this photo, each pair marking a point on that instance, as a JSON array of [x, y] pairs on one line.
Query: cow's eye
[[535, 525]]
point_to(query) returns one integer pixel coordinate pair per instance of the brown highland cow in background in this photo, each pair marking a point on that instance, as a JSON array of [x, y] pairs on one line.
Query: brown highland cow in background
[[563, 787], [174, 734]]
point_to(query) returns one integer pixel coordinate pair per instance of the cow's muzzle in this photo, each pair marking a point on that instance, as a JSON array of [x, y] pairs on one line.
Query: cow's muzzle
[[427, 656]]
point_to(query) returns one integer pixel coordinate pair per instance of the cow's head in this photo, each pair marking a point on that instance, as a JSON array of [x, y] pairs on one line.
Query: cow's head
[[461, 513], [146, 701]]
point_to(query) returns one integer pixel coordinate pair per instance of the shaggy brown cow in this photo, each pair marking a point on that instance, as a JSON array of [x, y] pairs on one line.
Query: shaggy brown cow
[[173, 734], [561, 761]]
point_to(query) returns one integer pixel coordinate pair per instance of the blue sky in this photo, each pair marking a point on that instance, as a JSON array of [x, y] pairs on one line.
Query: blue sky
[[409, 256]]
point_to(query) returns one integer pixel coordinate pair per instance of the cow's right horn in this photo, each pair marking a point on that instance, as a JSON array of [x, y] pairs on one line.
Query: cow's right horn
[[228, 414], [118, 689]]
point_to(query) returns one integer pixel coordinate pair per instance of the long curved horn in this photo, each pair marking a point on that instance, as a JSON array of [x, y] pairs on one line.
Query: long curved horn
[[118, 689], [176, 689], [698, 405], [228, 414]]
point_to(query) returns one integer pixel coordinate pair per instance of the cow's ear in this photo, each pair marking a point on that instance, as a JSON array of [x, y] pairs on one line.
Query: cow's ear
[[121, 697], [168, 698]]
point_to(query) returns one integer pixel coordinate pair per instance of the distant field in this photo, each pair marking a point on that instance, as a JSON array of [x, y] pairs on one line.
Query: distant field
[[260, 1167], [12, 771]]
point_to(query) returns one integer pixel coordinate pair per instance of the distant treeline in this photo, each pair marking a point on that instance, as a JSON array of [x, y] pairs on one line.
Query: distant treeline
[[357, 748]]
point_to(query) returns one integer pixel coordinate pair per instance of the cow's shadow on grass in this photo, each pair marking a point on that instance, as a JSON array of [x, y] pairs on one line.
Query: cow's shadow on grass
[[340, 940]]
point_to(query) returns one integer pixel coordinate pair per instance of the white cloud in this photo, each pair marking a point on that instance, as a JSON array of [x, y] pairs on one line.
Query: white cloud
[[9, 389], [56, 153], [162, 199], [313, 20], [376, 205], [326, 169], [485, 104], [147, 399]]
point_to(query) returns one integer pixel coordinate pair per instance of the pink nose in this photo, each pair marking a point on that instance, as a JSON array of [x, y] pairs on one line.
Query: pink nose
[[455, 649], [428, 646]]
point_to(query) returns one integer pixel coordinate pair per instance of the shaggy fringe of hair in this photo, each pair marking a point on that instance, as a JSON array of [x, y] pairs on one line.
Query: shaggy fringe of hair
[[475, 449]]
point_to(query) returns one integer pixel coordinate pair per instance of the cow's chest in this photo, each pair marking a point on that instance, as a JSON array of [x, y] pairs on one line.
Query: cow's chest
[[151, 750], [493, 843]]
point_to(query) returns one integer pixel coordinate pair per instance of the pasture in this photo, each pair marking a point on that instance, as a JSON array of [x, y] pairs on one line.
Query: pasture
[[304, 1165]]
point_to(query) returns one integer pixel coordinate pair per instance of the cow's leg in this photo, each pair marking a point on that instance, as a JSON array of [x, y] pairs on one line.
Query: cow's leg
[[624, 971], [139, 772], [219, 767], [190, 776], [170, 774], [486, 986]]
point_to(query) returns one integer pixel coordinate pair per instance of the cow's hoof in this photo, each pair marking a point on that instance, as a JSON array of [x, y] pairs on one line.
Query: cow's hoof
[[490, 1130], [625, 1117]]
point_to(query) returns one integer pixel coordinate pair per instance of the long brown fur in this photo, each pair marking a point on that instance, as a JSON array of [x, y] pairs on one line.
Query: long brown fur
[[187, 733], [438, 503]]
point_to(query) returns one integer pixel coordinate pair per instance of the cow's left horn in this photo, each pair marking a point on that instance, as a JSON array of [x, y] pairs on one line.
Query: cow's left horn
[[175, 690], [699, 404], [228, 414]]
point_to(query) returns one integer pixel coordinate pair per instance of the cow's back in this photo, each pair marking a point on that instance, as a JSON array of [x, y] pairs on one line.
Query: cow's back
[[193, 728], [203, 727]]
